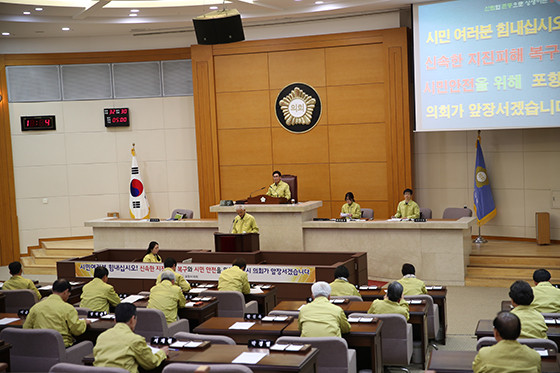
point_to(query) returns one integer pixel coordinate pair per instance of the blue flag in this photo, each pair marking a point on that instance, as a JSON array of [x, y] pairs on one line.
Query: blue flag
[[483, 201]]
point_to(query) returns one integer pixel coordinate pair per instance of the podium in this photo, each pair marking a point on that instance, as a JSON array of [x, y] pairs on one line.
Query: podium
[[236, 242], [263, 199]]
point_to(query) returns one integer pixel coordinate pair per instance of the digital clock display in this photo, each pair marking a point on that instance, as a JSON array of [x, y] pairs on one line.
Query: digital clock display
[[42, 122], [116, 117]]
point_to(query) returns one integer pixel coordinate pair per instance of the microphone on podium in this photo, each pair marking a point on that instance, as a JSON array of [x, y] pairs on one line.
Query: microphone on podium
[[254, 191]]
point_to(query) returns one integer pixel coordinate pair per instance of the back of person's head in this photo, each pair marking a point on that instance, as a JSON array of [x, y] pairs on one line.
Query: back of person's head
[[541, 275], [521, 293], [507, 325], [349, 196], [169, 263], [15, 268], [61, 285], [151, 247], [168, 275], [408, 269], [321, 289], [100, 272], [394, 291], [341, 271], [124, 312], [240, 262]]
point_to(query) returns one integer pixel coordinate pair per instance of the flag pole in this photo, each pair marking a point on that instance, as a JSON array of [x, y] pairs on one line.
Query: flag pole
[[480, 239]]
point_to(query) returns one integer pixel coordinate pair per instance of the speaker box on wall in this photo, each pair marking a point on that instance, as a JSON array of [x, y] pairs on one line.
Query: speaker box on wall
[[218, 30]]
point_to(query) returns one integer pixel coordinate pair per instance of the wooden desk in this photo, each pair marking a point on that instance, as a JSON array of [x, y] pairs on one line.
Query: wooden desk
[[196, 315], [418, 318], [261, 330], [439, 296], [484, 328], [75, 293], [94, 329], [361, 335], [461, 362], [18, 323]]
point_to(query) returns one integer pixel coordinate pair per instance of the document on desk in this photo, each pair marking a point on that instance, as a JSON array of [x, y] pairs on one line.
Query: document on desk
[[242, 325], [256, 290], [154, 349], [249, 358], [190, 304], [46, 287], [132, 298], [197, 290], [8, 320]]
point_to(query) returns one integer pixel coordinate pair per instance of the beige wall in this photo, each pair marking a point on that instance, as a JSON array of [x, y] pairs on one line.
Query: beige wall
[[523, 166], [83, 169]]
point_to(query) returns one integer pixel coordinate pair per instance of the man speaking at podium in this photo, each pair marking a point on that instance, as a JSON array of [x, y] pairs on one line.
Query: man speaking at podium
[[279, 188], [243, 222]]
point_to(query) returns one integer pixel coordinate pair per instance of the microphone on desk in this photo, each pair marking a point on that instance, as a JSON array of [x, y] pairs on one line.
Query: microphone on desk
[[254, 191]]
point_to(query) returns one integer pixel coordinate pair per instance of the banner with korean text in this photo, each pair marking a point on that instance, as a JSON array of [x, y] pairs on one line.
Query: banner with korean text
[[199, 271]]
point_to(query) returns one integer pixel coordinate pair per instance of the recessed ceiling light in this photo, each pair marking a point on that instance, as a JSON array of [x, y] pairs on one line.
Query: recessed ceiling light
[[133, 15], [27, 13], [134, 10], [319, 2], [6, 34], [213, 7], [38, 9], [66, 29]]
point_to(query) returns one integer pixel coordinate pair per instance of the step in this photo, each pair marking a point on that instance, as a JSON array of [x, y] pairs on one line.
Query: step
[[32, 268], [519, 261], [495, 282], [506, 273], [43, 256]]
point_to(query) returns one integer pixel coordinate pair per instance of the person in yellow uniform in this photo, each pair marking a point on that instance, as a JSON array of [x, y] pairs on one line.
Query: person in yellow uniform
[[532, 321], [54, 313], [152, 253], [235, 278], [98, 295], [243, 222], [340, 286], [321, 318], [411, 285], [17, 282], [167, 297], [547, 296], [393, 302], [350, 209], [170, 265], [407, 208], [279, 188], [120, 347], [508, 355]]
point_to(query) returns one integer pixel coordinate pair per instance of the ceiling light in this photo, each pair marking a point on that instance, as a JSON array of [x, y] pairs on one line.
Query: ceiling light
[[319, 2], [27, 13], [134, 10], [38, 9], [66, 29], [213, 7], [133, 15], [5, 34]]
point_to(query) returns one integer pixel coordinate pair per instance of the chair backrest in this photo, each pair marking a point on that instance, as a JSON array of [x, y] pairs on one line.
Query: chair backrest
[[367, 213], [82, 311], [425, 213], [191, 368], [150, 322], [230, 303], [214, 339], [18, 299], [456, 212], [284, 313], [353, 298], [34, 350], [75, 368], [393, 322], [531, 342], [426, 298], [333, 351], [187, 214], [291, 180]]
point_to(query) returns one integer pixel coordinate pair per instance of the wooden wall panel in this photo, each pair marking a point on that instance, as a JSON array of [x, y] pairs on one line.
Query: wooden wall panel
[[357, 64], [245, 147], [356, 104], [306, 65], [243, 109], [313, 180], [237, 182], [366, 180], [309, 147], [244, 72], [357, 142]]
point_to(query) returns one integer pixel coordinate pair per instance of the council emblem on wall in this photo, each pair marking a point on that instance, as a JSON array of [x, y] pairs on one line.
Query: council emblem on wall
[[298, 107]]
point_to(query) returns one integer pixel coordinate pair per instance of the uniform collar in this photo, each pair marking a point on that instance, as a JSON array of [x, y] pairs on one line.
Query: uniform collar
[[545, 283]]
